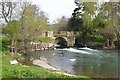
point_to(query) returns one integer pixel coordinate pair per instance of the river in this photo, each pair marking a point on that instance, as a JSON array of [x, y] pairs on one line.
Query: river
[[83, 61]]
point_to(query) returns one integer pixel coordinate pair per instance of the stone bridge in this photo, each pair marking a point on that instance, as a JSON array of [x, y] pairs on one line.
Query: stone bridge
[[63, 38]]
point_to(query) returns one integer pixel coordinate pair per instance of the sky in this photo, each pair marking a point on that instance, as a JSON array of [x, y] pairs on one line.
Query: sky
[[56, 8]]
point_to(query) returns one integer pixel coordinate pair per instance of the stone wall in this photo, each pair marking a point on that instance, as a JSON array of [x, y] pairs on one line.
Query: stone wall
[[70, 33], [71, 41], [48, 34], [41, 46]]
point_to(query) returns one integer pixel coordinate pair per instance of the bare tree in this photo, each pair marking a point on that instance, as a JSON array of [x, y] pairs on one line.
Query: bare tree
[[7, 10]]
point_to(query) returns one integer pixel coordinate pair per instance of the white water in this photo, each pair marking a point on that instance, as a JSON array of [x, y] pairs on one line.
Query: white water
[[72, 60], [56, 45], [86, 48], [75, 50]]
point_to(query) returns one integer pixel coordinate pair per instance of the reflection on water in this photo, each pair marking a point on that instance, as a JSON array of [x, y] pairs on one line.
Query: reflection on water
[[83, 61]]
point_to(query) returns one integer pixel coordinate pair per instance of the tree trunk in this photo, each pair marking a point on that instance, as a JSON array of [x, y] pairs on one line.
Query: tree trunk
[[118, 41], [12, 47], [107, 43], [15, 43], [112, 44]]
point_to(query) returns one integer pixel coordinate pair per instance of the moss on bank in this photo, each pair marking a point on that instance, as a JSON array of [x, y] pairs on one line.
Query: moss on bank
[[22, 71], [44, 39]]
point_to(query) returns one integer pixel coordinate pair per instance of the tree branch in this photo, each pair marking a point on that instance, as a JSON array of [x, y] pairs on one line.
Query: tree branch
[[3, 12]]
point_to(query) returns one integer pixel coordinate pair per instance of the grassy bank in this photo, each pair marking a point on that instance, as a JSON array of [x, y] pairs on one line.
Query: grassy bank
[[22, 71], [0, 66]]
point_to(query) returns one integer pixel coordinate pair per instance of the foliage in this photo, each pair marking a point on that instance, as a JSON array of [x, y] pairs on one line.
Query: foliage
[[97, 39], [33, 23], [75, 24], [88, 15], [61, 24], [111, 37], [12, 29], [30, 24], [82, 19], [5, 43], [98, 22], [93, 19], [110, 12]]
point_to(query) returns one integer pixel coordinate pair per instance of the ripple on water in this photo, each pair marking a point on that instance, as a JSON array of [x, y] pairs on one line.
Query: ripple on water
[[86, 61]]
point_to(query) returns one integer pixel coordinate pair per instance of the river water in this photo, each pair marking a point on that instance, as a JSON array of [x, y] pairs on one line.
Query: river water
[[83, 61]]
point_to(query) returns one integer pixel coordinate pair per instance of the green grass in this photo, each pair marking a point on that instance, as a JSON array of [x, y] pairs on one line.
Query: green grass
[[60, 35], [44, 39], [0, 65], [20, 71]]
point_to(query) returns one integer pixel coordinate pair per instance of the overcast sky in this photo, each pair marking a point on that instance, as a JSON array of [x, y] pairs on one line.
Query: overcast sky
[[56, 8]]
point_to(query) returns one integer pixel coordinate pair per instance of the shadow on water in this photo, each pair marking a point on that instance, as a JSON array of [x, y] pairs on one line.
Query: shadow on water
[[98, 63]]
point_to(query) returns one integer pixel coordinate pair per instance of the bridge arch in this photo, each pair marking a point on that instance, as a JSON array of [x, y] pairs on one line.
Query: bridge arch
[[62, 41]]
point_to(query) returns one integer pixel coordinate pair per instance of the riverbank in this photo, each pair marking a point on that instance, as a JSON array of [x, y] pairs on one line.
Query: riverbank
[[24, 71], [44, 63]]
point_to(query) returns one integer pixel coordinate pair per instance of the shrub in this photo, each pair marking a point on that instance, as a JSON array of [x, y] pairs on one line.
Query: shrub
[[96, 39], [5, 43]]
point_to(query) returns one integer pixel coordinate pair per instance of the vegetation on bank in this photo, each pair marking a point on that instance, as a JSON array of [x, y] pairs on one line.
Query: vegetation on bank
[[5, 43], [44, 39], [24, 71], [104, 24], [60, 35], [0, 65]]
